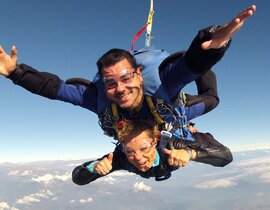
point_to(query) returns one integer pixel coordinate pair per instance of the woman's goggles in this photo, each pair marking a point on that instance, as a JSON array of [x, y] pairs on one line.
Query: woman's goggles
[[145, 148]]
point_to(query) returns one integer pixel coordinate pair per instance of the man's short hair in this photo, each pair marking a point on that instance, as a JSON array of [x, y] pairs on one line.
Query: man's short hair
[[113, 56]]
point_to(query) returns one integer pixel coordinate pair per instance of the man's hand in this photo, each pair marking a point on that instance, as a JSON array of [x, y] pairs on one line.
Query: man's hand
[[224, 33], [104, 166], [8, 63], [177, 157]]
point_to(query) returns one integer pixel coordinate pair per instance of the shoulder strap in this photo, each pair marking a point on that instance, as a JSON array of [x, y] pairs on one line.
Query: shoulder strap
[[153, 110], [115, 111], [116, 118]]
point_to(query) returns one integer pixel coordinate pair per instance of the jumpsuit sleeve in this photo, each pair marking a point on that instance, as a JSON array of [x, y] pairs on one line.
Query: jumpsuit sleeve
[[209, 150], [41, 83], [82, 176], [207, 98], [200, 60], [195, 62], [51, 86]]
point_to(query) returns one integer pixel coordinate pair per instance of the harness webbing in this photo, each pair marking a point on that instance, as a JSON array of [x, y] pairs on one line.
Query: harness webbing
[[115, 115], [114, 111], [153, 110]]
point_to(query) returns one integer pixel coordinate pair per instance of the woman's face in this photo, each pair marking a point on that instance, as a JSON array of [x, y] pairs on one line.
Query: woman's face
[[140, 150]]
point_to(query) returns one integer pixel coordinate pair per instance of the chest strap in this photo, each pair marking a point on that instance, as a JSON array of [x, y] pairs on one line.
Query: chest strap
[[151, 106]]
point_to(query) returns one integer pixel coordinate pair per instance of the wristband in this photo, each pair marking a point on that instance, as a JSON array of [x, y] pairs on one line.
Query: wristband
[[90, 167]]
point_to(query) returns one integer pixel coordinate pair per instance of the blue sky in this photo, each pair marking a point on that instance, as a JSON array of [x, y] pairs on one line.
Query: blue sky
[[67, 37]]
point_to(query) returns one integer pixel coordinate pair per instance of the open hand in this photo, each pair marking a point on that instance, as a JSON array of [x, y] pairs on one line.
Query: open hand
[[224, 33], [8, 63]]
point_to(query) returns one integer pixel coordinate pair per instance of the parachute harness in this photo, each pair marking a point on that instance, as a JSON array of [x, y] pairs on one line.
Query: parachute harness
[[172, 119]]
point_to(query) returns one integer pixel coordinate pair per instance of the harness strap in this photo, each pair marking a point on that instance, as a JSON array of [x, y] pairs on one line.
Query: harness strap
[[115, 111], [153, 110], [116, 116], [184, 99], [151, 105]]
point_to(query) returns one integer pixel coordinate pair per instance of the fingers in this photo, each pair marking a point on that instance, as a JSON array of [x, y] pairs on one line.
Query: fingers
[[206, 45], [177, 163], [246, 13], [225, 32], [104, 166], [167, 151], [2, 49], [177, 158], [170, 161], [14, 54], [180, 163], [110, 157]]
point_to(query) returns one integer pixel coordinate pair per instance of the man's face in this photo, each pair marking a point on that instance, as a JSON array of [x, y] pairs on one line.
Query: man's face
[[123, 85], [140, 150]]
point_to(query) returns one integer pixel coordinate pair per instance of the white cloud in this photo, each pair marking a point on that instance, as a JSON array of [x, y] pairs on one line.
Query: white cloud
[[108, 180], [63, 177], [121, 173], [219, 183], [251, 147], [88, 200], [4, 205], [35, 198], [27, 173], [13, 173], [140, 186], [253, 162], [104, 191], [72, 201], [28, 199], [259, 167], [17, 173], [47, 178], [265, 177], [72, 164]]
